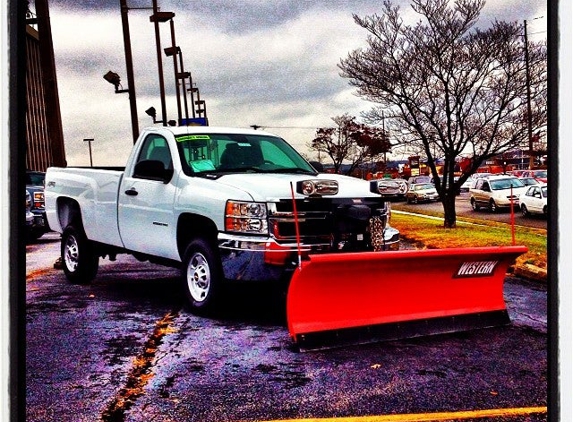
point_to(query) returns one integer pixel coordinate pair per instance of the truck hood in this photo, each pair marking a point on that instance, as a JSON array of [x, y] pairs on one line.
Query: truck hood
[[269, 187]]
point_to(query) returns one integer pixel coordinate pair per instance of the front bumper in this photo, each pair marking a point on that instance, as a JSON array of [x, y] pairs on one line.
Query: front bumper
[[29, 219], [428, 198], [251, 259]]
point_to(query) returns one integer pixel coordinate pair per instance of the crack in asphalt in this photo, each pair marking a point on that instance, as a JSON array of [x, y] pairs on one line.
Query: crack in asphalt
[[141, 371]]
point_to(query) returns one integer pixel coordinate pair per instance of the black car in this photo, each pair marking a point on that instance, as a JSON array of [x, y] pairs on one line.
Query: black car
[[35, 185]]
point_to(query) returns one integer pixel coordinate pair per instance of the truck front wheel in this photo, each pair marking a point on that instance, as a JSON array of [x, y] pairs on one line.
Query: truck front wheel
[[79, 261], [202, 275]]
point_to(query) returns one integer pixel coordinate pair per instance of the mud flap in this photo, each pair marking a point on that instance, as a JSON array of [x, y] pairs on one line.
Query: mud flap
[[352, 298]]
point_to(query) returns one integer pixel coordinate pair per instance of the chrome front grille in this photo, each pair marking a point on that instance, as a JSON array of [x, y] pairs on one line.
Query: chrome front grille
[[324, 221]]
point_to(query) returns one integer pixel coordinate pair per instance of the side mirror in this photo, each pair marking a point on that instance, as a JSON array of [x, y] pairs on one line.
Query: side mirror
[[152, 170]]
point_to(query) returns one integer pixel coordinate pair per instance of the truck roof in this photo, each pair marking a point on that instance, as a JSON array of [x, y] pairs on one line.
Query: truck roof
[[183, 130]]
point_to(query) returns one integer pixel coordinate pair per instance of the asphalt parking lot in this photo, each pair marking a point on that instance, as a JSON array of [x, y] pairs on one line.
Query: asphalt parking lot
[[125, 349]]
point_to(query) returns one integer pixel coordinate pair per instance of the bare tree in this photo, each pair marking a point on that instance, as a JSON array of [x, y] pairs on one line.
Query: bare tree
[[350, 142], [447, 87]]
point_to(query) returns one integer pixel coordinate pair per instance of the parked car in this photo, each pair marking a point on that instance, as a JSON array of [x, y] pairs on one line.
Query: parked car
[[29, 215], [534, 200], [540, 175], [456, 178], [421, 192], [495, 192], [35, 185], [517, 173], [476, 176], [419, 179], [465, 187], [529, 181]]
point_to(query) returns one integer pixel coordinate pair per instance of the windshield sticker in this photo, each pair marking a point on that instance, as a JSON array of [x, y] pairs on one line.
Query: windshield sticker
[[476, 268], [185, 138]]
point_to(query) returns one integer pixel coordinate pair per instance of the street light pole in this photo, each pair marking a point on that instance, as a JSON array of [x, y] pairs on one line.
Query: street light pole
[[156, 18], [176, 51], [89, 141], [129, 69]]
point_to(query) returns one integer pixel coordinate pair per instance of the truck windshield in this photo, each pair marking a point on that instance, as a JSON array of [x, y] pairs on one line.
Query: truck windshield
[[222, 153]]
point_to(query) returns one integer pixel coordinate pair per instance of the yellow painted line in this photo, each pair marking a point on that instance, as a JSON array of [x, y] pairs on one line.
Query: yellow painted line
[[431, 417]]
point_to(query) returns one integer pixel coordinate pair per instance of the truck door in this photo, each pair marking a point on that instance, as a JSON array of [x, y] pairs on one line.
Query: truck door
[[146, 218]]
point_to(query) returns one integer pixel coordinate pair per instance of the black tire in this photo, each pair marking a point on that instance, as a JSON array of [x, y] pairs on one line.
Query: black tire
[[493, 206], [524, 210], [202, 276], [79, 261], [474, 205]]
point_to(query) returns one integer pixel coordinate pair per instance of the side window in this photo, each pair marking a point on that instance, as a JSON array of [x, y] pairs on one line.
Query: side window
[[154, 161], [155, 147], [479, 184]]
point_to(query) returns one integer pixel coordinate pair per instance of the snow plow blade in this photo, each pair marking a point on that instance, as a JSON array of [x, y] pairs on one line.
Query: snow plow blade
[[354, 298]]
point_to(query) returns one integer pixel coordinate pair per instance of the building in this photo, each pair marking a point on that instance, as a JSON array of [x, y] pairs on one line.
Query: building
[[44, 134]]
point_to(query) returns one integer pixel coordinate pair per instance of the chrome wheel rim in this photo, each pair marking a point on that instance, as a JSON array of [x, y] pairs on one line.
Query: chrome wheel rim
[[198, 277], [71, 253]]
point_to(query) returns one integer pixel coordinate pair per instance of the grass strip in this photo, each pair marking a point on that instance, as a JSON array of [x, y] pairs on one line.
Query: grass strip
[[430, 233]]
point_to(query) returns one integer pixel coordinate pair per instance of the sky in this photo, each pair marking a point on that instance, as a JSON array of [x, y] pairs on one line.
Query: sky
[[255, 62]]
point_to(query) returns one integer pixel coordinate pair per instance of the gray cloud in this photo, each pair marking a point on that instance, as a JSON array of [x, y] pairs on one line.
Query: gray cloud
[[255, 61]]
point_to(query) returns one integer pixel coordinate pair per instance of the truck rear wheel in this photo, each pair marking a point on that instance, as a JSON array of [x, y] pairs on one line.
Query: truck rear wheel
[[202, 276], [79, 261]]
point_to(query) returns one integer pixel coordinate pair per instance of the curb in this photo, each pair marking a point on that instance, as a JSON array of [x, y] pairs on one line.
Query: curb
[[531, 272]]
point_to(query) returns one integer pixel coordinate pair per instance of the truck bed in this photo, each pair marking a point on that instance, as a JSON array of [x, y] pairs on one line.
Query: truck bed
[[95, 190]]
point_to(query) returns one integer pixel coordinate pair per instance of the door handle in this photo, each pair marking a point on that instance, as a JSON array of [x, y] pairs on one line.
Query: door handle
[[131, 192]]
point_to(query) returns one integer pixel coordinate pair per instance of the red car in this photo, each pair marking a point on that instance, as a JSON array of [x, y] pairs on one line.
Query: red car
[[540, 175]]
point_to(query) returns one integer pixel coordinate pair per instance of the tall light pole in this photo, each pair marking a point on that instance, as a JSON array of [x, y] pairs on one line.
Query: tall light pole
[[156, 18], [129, 70], [89, 141], [174, 51]]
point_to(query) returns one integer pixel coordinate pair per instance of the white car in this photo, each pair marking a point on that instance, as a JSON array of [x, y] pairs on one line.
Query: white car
[[534, 200], [465, 187], [495, 192], [422, 192]]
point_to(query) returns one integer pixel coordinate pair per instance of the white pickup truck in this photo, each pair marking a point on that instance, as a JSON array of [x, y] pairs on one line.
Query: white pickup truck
[[221, 204]]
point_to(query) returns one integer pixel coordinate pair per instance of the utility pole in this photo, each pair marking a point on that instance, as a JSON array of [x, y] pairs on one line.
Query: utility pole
[[527, 83]]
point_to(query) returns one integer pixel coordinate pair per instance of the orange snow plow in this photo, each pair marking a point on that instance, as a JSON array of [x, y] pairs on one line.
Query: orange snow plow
[[340, 299]]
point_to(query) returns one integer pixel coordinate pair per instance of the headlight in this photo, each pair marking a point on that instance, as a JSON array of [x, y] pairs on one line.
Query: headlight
[[246, 217]]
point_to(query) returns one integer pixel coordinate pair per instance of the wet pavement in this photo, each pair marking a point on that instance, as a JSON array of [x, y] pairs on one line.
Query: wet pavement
[[125, 348]]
